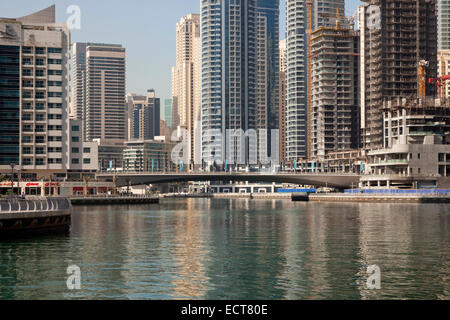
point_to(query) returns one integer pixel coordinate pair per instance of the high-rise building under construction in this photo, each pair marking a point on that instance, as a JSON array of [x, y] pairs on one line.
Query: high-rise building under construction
[[397, 37]]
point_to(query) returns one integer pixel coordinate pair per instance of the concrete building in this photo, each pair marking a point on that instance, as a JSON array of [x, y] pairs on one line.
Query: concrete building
[[444, 24], [186, 81], [324, 12], [302, 18], [239, 76], [335, 89], [99, 90], [34, 99], [83, 155], [110, 155], [147, 155], [143, 116], [443, 70], [283, 97], [395, 37], [416, 150]]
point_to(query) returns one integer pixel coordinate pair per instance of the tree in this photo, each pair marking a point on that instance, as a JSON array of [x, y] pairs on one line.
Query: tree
[[86, 180]]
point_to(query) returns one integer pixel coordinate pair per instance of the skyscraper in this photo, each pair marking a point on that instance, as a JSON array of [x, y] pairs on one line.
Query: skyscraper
[[282, 101], [143, 116], [168, 112], [296, 117], [302, 18], [239, 77], [396, 38], [324, 12], [335, 89], [444, 24], [186, 75], [99, 90]]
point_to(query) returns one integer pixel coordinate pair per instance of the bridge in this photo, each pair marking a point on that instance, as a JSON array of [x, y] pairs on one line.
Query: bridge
[[332, 180]]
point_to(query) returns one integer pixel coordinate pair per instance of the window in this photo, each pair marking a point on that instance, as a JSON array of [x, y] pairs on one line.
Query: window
[[441, 157], [75, 161], [54, 50], [39, 50], [75, 150], [87, 150], [87, 161], [40, 150], [39, 162], [75, 128], [75, 139]]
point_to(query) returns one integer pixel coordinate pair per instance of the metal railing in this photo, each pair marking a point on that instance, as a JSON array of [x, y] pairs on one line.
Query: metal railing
[[35, 204]]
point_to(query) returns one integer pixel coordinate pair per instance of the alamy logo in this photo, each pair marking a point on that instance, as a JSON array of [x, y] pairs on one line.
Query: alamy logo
[[74, 20], [374, 22], [74, 280], [374, 281]]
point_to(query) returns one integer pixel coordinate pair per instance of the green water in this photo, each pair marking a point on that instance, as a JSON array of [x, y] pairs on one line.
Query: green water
[[237, 249]]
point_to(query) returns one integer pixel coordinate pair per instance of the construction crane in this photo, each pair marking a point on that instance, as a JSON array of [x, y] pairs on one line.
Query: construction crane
[[422, 77], [439, 82], [339, 17]]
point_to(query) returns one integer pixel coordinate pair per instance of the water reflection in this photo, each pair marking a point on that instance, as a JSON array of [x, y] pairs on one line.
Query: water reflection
[[236, 249]]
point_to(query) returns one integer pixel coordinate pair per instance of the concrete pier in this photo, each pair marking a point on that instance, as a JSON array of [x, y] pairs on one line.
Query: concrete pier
[[34, 216], [109, 200]]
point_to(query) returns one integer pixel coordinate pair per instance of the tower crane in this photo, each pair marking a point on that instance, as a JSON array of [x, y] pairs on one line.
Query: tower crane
[[439, 82]]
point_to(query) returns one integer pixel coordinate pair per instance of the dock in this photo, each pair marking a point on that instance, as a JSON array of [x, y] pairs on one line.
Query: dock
[[377, 198], [113, 200], [34, 216]]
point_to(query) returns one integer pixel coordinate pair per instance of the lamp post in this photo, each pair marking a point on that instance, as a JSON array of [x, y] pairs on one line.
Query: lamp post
[[12, 177]]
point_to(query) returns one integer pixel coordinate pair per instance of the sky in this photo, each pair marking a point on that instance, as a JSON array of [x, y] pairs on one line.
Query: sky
[[146, 28]]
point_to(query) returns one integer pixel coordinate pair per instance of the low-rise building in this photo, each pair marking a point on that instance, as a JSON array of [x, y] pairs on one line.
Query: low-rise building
[[417, 147], [148, 155]]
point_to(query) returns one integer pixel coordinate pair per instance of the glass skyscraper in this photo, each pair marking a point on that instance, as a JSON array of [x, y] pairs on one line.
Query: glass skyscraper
[[168, 112], [239, 76], [444, 24]]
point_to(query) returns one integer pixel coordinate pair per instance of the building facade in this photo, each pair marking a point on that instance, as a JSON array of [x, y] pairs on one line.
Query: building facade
[[168, 112], [239, 78], [395, 37], [282, 101], [143, 116], [302, 18], [186, 81], [147, 155], [99, 90], [444, 24], [324, 12], [443, 70], [335, 90], [34, 95]]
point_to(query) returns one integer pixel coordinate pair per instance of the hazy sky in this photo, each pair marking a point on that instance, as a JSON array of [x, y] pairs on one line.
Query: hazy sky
[[146, 28]]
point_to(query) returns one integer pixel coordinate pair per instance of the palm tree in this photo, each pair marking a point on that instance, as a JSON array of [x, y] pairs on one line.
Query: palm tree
[[115, 184], [86, 180]]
